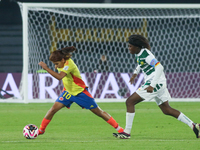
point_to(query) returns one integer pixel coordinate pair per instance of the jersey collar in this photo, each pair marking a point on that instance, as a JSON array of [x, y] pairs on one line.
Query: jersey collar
[[141, 51]]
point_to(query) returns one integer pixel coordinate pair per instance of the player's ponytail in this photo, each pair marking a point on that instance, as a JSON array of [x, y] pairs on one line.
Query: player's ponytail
[[59, 54], [67, 50]]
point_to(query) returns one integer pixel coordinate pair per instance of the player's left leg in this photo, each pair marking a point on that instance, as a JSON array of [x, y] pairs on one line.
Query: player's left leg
[[130, 105], [46, 120], [109, 119], [167, 110]]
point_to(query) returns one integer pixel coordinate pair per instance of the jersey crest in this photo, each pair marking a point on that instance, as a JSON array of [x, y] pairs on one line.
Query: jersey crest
[[141, 60]]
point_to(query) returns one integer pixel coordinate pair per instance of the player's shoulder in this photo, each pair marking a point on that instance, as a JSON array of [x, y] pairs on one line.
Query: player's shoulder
[[144, 53], [69, 62]]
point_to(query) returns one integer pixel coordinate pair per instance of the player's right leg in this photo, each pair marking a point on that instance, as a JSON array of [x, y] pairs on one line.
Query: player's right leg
[[46, 120], [63, 100], [130, 105]]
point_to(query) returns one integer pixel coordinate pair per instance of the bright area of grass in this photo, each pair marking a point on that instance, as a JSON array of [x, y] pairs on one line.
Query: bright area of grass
[[77, 129]]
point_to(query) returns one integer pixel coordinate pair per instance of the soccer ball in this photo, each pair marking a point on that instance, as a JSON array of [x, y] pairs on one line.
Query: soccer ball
[[30, 131]]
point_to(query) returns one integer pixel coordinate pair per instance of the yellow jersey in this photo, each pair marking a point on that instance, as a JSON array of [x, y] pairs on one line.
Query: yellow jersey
[[72, 82]]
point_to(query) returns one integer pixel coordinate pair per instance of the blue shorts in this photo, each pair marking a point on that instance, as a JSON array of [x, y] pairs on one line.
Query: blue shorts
[[83, 99]]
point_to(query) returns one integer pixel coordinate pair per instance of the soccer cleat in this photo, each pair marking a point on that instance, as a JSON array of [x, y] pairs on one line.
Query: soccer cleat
[[196, 128], [122, 135], [41, 132]]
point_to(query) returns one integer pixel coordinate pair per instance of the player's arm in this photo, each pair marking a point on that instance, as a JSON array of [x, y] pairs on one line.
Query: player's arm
[[56, 75], [158, 71], [135, 73]]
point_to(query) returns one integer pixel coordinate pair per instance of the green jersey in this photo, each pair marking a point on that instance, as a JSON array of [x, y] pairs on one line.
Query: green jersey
[[147, 63]]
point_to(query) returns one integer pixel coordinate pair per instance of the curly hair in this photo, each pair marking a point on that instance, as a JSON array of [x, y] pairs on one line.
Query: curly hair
[[139, 41]]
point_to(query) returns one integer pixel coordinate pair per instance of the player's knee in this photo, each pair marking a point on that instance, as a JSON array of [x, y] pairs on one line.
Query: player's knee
[[166, 111], [130, 102]]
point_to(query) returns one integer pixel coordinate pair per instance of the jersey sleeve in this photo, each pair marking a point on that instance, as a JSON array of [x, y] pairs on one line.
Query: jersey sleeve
[[67, 68], [152, 61], [137, 70]]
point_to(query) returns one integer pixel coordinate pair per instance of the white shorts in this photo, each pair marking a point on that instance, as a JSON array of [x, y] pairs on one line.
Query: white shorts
[[161, 95]]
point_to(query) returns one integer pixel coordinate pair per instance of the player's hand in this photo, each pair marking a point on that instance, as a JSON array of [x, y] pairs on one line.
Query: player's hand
[[149, 89], [132, 78], [43, 65]]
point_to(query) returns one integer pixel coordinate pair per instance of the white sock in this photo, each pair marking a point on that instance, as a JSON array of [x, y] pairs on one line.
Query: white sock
[[129, 122], [185, 120]]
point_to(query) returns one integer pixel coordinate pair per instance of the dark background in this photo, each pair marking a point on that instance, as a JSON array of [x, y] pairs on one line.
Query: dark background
[[10, 13], [11, 28]]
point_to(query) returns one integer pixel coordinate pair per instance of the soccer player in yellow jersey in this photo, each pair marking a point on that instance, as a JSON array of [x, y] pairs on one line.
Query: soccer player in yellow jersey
[[155, 87], [74, 90]]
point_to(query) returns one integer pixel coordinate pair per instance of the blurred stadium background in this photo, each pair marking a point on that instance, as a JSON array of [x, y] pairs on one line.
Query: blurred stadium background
[[11, 28], [11, 53]]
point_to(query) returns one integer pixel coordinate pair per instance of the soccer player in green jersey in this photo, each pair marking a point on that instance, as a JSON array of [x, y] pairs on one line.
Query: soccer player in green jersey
[[155, 87]]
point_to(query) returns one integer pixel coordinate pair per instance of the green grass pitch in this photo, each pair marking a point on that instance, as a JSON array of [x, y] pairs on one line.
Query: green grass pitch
[[79, 129]]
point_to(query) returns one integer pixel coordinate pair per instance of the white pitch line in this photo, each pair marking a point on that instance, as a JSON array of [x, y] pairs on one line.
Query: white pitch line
[[98, 141]]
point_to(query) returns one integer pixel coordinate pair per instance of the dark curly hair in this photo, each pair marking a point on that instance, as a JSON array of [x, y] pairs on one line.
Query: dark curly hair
[[139, 41]]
